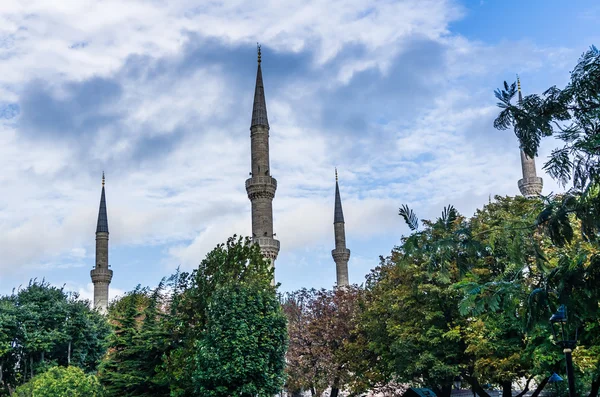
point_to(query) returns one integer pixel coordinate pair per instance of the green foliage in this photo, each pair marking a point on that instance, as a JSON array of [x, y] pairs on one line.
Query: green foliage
[[237, 262], [183, 337], [42, 326], [61, 382], [136, 346], [472, 297], [411, 323], [243, 350]]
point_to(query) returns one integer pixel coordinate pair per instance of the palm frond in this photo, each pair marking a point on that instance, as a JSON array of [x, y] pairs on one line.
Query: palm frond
[[409, 217]]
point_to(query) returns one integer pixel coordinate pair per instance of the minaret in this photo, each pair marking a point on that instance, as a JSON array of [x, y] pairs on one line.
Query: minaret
[[261, 186], [531, 185], [340, 254], [101, 274]]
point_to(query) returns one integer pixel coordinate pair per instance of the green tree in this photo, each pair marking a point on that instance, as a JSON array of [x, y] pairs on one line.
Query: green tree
[[507, 289], [61, 382], [243, 349], [572, 115], [8, 332], [238, 261], [136, 346], [43, 326], [411, 321]]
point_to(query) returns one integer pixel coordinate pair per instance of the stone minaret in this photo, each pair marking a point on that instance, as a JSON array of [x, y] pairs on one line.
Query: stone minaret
[[261, 186], [340, 254], [101, 274], [531, 185]]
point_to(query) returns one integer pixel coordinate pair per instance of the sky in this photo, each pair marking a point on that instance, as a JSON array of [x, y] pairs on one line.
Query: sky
[[398, 95]]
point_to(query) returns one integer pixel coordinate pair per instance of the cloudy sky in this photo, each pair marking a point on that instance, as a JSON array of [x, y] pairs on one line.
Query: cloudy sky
[[158, 94]]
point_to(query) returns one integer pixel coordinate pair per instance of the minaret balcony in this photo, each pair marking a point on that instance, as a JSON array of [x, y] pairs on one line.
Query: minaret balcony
[[268, 246], [531, 187], [101, 275], [340, 255], [261, 185]]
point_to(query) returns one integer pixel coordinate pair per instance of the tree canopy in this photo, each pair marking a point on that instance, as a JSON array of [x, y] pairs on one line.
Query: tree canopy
[[61, 382], [42, 325]]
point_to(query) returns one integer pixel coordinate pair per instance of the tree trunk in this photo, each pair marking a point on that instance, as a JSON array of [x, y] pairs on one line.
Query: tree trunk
[[69, 354], [475, 385], [526, 388], [31, 365], [335, 388], [540, 387], [507, 389], [1, 377], [595, 387], [42, 359], [312, 391]]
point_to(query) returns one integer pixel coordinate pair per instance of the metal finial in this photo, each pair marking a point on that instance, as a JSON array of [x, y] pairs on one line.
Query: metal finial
[[102, 178], [336, 175], [518, 83], [258, 49]]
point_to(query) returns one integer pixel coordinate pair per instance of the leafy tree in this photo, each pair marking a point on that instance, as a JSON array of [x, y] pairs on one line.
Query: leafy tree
[[8, 332], [411, 321], [497, 286], [238, 261], [320, 325], [243, 350], [43, 326], [61, 382], [136, 346], [572, 115]]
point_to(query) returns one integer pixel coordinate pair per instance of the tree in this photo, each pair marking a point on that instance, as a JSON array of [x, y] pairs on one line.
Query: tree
[[237, 262], [43, 326], [136, 346], [61, 382], [496, 290], [320, 325], [8, 332], [572, 115], [243, 349], [411, 320]]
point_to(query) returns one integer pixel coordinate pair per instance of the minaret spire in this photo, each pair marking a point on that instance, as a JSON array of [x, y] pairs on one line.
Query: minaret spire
[[341, 254], [530, 185], [261, 186], [101, 274], [259, 110]]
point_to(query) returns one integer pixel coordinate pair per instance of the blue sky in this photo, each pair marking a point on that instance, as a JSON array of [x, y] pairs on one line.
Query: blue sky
[[397, 94]]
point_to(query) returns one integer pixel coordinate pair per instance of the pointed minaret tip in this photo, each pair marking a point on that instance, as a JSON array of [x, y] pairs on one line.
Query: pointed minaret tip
[[338, 214], [102, 225], [259, 109]]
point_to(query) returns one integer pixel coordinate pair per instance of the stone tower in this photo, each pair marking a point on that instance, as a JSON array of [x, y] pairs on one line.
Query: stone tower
[[101, 274], [261, 186], [531, 185], [340, 254]]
